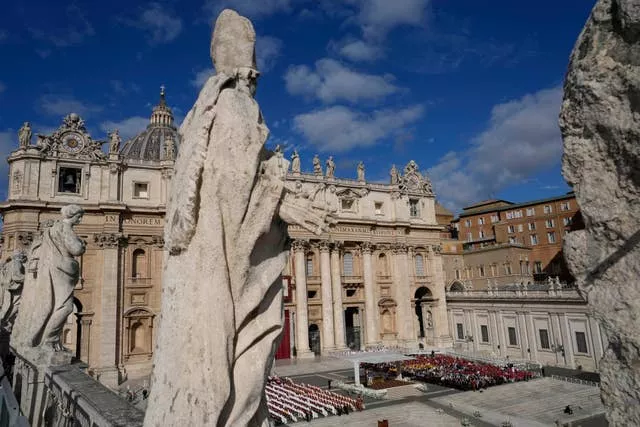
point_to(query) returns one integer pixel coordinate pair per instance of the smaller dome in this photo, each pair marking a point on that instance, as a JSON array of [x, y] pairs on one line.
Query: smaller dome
[[152, 143]]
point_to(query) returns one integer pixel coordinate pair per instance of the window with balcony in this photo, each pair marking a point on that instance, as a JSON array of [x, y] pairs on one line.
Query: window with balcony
[[551, 237]]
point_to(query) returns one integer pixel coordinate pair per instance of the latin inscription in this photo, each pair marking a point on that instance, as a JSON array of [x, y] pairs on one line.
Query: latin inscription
[[111, 219], [141, 220]]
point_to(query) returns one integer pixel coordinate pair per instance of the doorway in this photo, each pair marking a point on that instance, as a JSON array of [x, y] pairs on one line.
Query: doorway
[[314, 338], [352, 326]]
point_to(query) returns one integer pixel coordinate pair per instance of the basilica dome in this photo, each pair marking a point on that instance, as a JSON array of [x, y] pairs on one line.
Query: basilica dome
[[159, 141]]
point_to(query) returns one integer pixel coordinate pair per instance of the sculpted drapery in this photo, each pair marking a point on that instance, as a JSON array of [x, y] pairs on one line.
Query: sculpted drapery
[[226, 249]]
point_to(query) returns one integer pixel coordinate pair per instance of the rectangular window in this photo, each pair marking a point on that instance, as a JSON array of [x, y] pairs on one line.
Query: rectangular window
[[141, 190], [378, 208], [469, 236], [547, 209], [549, 223], [481, 271], [544, 339], [513, 338], [511, 229], [565, 206], [551, 236], [507, 269], [520, 228], [581, 342], [347, 264], [513, 240], [309, 266], [481, 234], [467, 223], [534, 239], [509, 215], [484, 333], [517, 214], [537, 267], [413, 208], [347, 204], [531, 211], [494, 270], [532, 226], [70, 180], [481, 221], [457, 274], [460, 329], [494, 218], [566, 221], [419, 265]]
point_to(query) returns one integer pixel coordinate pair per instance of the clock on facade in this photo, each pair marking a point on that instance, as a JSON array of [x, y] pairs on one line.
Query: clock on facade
[[73, 142]]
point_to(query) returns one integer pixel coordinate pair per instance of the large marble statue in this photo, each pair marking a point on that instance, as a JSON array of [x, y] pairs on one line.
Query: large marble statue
[[361, 172], [114, 142], [295, 162], [226, 247], [394, 175], [24, 135], [12, 276], [317, 168], [47, 299], [331, 167]]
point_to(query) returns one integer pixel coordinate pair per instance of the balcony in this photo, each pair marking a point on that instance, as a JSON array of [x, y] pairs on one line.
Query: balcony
[[351, 279], [422, 279], [313, 279]]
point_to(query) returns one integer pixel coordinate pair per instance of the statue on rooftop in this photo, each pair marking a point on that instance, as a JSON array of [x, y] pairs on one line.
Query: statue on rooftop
[[114, 142], [24, 135], [47, 299], [317, 168], [361, 172], [295, 162], [12, 275], [225, 249], [331, 167], [394, 175]]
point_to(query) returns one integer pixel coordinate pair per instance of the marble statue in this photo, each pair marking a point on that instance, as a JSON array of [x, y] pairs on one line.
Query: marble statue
[[24, 135], [114, 142], [331, 167], [295, 162], [317, 168], [429, 319], [12, 276], [361, 172], [225, 249], [47, 299], [394, 175]]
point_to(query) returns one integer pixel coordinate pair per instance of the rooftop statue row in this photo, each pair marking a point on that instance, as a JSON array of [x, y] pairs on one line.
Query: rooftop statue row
[[411, 181]]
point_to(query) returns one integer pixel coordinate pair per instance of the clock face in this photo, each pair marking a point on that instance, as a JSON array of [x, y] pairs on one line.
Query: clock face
[[73, 142], [413, 182]]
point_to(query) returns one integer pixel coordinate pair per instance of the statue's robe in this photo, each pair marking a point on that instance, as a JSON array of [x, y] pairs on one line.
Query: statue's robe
[[222, 293]]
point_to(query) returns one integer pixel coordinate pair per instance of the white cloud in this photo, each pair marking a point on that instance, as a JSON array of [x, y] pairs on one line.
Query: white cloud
[[127, 128], [521, 140], [201, 77], [61, 105], [332, 81], [359, 50], [161, 26], [377, 17], [250, 8], [340, 128], [267, 52], [75, 32]]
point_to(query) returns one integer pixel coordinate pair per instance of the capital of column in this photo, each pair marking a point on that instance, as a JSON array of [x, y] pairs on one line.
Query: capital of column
[[366, 248], [437, 249], [337, 246], [324, 245], [400, 248], [109, 240], [299, 245]]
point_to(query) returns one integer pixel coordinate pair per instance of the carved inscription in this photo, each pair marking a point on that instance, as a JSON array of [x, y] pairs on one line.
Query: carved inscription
[[142, 220]]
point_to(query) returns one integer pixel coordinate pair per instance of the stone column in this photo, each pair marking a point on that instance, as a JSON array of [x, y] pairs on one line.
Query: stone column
[[524, 337], [302, 323], [338, 311], [533, 340], [371, 320], [474, 330], [501, 334], [596, 339], [107, 363], [568, 340], [114, 181], [442, 331], [328, 343], [403, 299], [495, 337], [85, 320]]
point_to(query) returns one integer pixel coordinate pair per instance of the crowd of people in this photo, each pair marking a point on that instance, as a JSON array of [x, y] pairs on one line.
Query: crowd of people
[[454, 372], [291, 402]]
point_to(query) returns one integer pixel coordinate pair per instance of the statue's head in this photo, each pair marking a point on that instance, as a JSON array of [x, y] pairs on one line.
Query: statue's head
[[233, 43], [72, 214]]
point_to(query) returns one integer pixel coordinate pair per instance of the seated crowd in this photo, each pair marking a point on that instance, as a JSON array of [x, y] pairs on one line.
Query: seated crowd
[[292, 402], [455, 372]]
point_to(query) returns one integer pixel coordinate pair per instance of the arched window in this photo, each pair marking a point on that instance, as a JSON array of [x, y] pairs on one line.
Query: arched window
[[419, 265], [138, 332], [139, 264], [383, 269], [347, 264], [137, 337]]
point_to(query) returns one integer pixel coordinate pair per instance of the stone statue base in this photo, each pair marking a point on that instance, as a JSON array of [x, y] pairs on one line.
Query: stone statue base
[[28, 379]]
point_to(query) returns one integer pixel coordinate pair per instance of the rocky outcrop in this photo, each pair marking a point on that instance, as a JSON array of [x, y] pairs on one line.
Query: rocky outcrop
[[600, 123]]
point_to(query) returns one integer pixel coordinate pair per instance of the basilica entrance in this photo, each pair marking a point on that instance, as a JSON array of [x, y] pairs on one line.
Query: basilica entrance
[[352, 326], [423, 300], [314, 338]]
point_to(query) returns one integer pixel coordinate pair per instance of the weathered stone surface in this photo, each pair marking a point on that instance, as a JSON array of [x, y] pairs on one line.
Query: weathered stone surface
[[600, 122], [225, 233]]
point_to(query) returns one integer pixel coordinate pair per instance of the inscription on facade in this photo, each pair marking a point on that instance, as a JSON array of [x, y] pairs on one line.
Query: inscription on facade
[[111, 219], [142, 220]]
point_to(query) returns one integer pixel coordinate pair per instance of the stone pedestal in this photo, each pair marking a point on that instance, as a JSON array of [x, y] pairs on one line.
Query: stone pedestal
[[28, 380]]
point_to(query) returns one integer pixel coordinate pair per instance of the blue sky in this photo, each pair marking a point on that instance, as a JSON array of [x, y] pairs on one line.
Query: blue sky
[[470, 90]]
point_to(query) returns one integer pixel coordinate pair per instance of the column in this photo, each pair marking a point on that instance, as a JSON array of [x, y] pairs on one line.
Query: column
[[328, 343], [568, 340], [106, 365], [495, 338], [302, 323], [442, 332], [403, 299], [371, 319], [474, 330], [85, 320], [503, 341], [338, 311], [596, 339], [533, 340], [524, 337]]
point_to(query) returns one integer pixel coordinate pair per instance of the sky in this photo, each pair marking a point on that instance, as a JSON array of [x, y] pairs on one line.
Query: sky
[[470, 90]]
